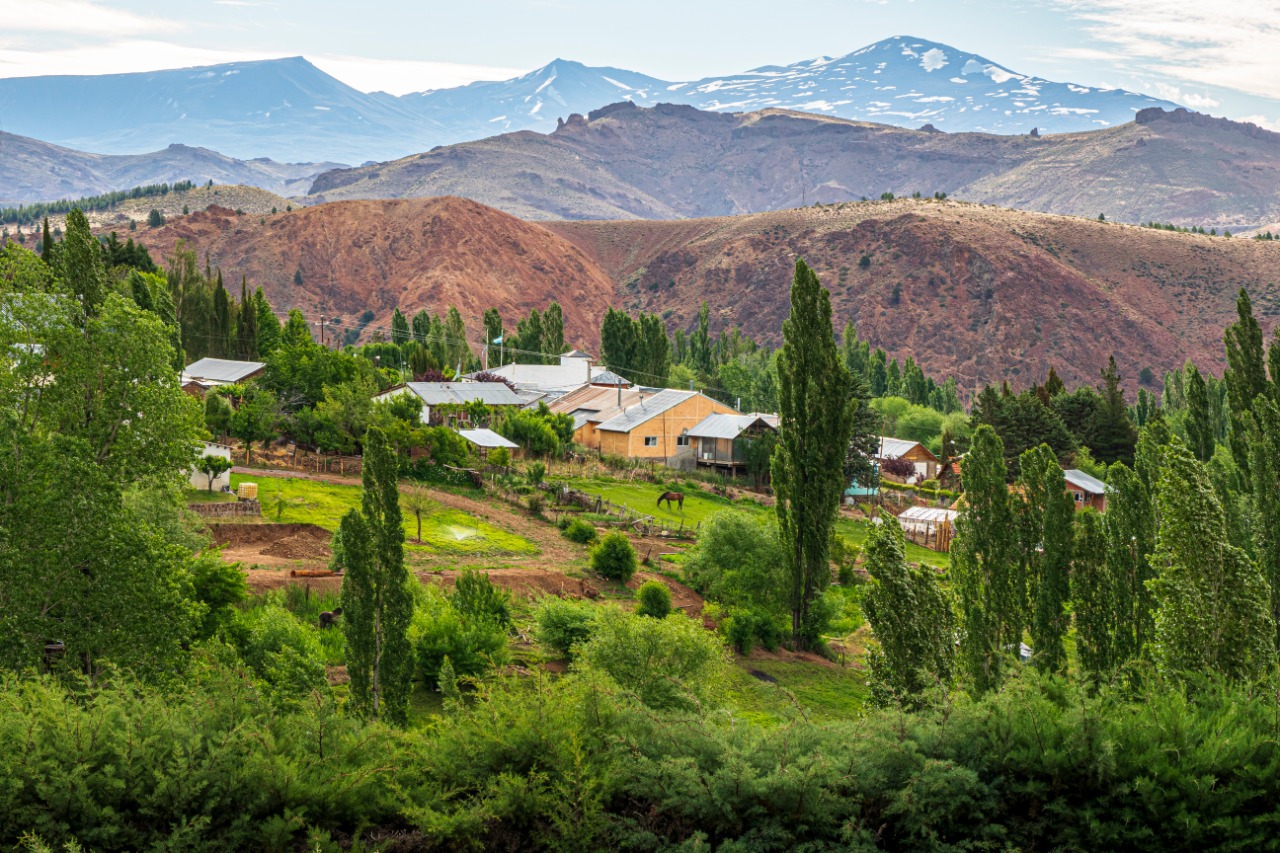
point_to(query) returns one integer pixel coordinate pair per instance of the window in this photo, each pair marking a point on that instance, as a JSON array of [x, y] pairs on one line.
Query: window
[[682, 441], [650, 441]]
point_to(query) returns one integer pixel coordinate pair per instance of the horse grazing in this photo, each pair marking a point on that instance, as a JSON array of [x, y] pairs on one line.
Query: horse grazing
[[678, 497], [328, 617]]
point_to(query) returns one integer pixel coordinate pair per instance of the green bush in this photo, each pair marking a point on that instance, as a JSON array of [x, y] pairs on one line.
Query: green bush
[[473, 645], [475, 597], [654, 600], [219, 586], [744, 627], [738, 562], [562, 623], [536, 503], [665, 663], [577, 530], [281, 650], [614, 558], [535, 473]]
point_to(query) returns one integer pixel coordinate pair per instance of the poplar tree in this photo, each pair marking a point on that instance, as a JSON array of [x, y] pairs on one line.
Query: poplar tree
[[552, 332], [1094, 595], [377, 604], [1199, 424], [1264, 467], [1129, 529], [654, 349], [983, 563], [815, 418], [421, 325], [455, 333], [1214, 607], [911, 619], [268, 324], [1246, 375], [399, 328], [529, 339], [247, 324], [81, 264], [1047, 514], [220, 332]]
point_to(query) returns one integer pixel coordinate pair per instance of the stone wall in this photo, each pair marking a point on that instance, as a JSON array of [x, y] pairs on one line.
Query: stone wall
[[227, 509]]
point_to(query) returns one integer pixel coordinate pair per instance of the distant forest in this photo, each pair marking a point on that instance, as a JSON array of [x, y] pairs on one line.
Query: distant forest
[[31, 214]]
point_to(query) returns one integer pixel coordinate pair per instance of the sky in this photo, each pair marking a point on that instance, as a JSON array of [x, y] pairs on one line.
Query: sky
[[1221, 60]]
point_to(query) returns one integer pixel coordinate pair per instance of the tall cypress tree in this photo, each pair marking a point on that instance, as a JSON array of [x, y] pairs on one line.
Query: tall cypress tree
[[377, 604], [983, 563], [1214, 607], [815, 419], [247, 324], [1047, 514], [1264, 466], [1246, 375], [220, 328], [1199, 425], [46, 244]]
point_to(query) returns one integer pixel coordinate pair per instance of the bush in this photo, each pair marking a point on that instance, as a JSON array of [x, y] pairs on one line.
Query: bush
[[219, 586], [746, 626], [655, 600], [536, 503], [281, 650], [666, 663], [473, 645], [739, 563], [535, 473], [561, 624], [614, 558], [475, 597], [577, 530]]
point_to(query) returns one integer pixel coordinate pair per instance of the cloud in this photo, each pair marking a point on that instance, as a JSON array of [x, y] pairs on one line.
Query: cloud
[[1263, 121], [1177, 94], [1232, 46], [77, 17]]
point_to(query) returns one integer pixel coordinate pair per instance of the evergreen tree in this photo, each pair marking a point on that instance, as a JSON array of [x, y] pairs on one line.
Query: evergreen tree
[[399, 328], [1047, 513], [1114, 436], [911, 618], [296, 331], [247, 324], [983, 563], [268, 325], [815, 420], [1246, 375], [377, 603], [553, 332], [1199, 426], [879, 374], [80, 259], [46, 244], [864, 435], [1264, 466], [221, 326], [1214, 607], [1093, 597]]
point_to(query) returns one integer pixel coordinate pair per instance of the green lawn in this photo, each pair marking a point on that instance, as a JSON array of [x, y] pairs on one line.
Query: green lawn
[[701, 505], [444, 531], [823, 692], [204, 496]]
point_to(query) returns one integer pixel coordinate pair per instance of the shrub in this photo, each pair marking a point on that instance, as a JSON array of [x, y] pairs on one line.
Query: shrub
[[655, 600], [536, 503], [475, 597], [614, 558], [577, 530], [535, 473], [561, 624], [666, 663], [746, 626], [500, 456], [739, 563], [473, 645], [281, 650], [219, 586]]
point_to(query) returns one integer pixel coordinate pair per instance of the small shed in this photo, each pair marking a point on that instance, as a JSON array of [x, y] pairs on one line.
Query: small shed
[[1087, 491], [487, 439], [931, 527]]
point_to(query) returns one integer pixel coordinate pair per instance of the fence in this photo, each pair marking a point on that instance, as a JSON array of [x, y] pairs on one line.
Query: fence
[[628, 517]]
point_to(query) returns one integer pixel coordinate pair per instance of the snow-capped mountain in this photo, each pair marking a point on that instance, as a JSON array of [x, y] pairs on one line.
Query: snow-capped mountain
[[289, 110], [911, 82]]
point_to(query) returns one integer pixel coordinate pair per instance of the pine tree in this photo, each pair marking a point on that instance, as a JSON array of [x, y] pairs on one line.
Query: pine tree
[[1047, 513], [864, 435], [983, 563], [911, 618], [1214, 607], [1114, 436], [247, 324], [46, 244], [399, 328], [815, 420], [1264, 466], [220, 328], [296, 331], [1199, 426], [377, 604]]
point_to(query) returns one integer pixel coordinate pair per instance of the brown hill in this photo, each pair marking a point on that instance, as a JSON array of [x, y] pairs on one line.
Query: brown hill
[[973, 291], [665, 162], [969, 290], [377, 255]]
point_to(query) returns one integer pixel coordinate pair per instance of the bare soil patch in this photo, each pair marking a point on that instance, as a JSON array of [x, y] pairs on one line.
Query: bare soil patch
[[273, 544]]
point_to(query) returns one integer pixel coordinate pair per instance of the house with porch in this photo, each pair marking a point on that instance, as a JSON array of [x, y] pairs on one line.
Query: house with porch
[[720, 440], [1088, 492], [657, 427]]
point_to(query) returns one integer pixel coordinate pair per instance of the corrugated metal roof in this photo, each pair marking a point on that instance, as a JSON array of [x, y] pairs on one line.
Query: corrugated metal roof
[[221, 369], [928, 513], [486, 438], [594, 399], [445, 393], [557, 378], [646, 410], [727, 426], [1084, 482], [895, 447], [608, 377]]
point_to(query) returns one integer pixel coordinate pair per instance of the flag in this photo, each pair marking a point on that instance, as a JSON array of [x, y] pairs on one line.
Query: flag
[[498, 339]]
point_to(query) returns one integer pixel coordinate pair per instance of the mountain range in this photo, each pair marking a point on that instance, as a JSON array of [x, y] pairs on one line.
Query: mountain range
[[975, 291], [32, 170], [289, 110], [671, 162]]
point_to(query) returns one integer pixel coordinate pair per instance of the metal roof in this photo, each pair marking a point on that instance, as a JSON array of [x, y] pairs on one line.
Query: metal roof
[[729, 426], [608, 377], [1084, 482], [221, 370], [445, 393], [486, 438], [556, 378], [646, 410], [897, 447]]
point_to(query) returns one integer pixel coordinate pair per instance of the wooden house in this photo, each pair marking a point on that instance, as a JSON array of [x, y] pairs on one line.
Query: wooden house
[[926, 463], [201, 376], [657, 427], [1086, 490], [720, 440]]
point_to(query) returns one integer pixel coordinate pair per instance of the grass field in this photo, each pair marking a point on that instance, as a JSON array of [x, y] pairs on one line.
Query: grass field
[[701, 505], [823, 692], [444, 530], [204, 496]]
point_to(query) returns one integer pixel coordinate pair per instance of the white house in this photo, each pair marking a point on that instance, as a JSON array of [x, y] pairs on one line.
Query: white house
[[574, 370], [431, 394]]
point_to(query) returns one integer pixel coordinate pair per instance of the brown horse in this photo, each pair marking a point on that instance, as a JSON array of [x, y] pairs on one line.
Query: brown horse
[[678, 497]]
